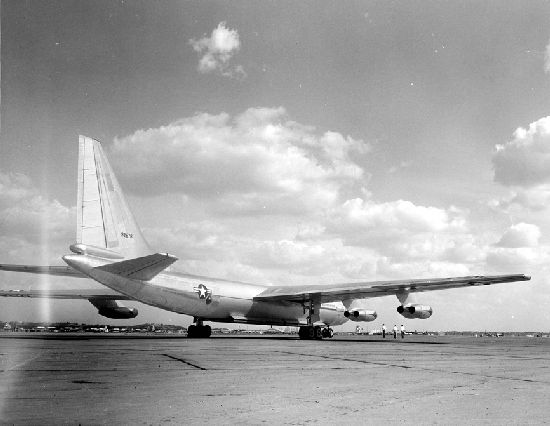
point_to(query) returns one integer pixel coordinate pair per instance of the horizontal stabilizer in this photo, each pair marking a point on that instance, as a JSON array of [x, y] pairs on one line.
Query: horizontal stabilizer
[[141, 268]]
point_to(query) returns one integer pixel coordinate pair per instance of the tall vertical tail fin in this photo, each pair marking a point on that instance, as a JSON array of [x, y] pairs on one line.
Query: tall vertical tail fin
[[105, 224]]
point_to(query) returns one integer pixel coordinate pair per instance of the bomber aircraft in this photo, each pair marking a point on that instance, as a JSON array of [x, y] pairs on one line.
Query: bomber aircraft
[[111, 250]]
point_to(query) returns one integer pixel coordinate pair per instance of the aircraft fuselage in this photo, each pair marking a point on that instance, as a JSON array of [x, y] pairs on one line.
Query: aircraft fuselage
[[206, 298]]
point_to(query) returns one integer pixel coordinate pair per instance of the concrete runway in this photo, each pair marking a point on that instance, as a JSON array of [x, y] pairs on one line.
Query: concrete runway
[[83, 379]]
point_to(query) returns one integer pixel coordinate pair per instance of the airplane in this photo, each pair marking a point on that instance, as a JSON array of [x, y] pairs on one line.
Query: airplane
[[111, 250]]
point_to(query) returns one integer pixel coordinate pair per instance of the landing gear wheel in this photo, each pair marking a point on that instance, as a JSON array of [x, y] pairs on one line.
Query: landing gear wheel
[[310, 332], [199, 331], [307, 332], [328, 333], [318, 331]]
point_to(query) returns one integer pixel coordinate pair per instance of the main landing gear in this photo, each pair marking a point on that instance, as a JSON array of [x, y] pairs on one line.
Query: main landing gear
[[199, 330], [310, 332]]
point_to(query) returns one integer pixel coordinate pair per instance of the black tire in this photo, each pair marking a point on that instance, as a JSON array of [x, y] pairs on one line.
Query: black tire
[[318, 331], [192, 331], [206, 331]]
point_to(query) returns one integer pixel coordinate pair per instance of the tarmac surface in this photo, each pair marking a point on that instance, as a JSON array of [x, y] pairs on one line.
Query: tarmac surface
[[94, 379]]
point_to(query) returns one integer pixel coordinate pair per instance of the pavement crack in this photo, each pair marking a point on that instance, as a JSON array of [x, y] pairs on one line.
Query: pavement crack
[[175, 358], [433, 370]]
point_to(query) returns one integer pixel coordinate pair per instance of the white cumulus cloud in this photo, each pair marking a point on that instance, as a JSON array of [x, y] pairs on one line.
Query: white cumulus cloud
[[29, 221], [260, 194], [525, 160], [535, 199], [217, 51], [520, 235], [257, 161], [404, 232], [522, 259], [397, 215]]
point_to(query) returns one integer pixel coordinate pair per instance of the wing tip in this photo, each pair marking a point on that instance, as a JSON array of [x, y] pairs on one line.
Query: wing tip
[[169, 256]]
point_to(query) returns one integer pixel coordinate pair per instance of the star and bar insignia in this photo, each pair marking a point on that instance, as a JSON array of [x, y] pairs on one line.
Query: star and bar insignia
[[203, 292]]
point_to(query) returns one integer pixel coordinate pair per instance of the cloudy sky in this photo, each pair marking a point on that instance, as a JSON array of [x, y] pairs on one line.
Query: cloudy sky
[[290, 142]]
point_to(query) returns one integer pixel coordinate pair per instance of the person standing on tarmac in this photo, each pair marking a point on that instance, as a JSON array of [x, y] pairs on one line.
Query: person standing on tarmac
[[402, 331], [395, 331], [383, 331]]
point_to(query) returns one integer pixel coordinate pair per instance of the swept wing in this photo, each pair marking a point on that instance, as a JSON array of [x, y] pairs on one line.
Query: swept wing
[[60, 271], [105, 294], [362, 290], [105, 300]]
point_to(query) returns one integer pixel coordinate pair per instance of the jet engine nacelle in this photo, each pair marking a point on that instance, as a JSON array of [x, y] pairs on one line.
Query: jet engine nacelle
[[113, 308], [360, 315], [121, 312], [415, 311]]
